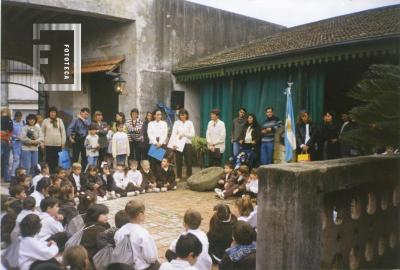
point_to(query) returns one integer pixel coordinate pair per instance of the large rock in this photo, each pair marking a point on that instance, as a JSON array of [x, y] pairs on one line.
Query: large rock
[[205, 180]]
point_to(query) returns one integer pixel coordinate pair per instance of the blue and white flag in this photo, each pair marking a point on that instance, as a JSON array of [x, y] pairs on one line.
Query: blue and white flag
[[290, 133]]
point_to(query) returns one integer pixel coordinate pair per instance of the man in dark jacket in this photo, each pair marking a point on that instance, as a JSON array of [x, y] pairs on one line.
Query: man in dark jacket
[[268, 128], [77, 132], [237, 129]]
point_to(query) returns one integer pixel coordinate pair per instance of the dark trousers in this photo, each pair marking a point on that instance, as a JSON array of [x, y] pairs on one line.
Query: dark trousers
[[137, 151], [51, 153], [187, 155], [214, 158], [78, 148], [102, 156]]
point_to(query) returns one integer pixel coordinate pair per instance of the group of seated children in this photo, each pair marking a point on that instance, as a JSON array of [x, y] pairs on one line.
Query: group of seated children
[[42, 237], [237, 182]]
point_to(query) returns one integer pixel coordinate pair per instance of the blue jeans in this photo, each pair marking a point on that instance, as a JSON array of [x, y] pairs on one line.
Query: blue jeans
[[236, 149], [5, 158], [267, 153], [120, 159], [29, 160], [16, 150], [92, 160]]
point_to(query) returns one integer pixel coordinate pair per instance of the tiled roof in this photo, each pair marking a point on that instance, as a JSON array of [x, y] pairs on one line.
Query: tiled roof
[[365, 25]]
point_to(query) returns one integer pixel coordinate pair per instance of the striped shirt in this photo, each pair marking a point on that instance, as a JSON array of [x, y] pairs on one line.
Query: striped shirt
[[135, 130]]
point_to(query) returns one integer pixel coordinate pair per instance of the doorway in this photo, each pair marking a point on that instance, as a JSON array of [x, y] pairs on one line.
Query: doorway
[[102, 95]]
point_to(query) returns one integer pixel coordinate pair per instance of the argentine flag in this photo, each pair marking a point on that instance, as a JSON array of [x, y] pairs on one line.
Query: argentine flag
[[290, 133]]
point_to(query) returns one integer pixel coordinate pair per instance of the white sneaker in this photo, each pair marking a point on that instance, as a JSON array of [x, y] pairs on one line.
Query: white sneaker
[[174, 188], [221, 195], [137, 192], [118, 195], [113, 195], [217, 190], [164, 189], [143, 191], [156, 189], [130, 194], [149, 190]]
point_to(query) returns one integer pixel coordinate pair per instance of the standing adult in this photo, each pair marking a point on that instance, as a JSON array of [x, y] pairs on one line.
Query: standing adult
[[18, 124], [268, 129], [249, 139], [54, 137], [102, 130], [158, 133], [216, 136], [39, 122], [6, 132], [136, 136], [306, 135], [346, 150], [147, 120], [237, 129], [31, 138], [77, 132], [183, 129], [329, 137]]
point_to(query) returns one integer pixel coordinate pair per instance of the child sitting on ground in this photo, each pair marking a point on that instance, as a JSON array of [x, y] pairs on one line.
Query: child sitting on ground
[[62, 174], [76, 258], [188, 248], [237, 186], [94, 182], [242, 208], [149, 178], [31, 248], [108, 180], [191, 223], [107, 237], [242, 254], [17, 192], [28, 208], [41, 191], [226, 177], [135, 177], [252, 184], [77, 178], [67, 204], [121, 180], [25, 182], [86, 200], [143, 245], [19, 173], [166, 176], [52, 228], [220, 232], [44, 172], [96, 222]]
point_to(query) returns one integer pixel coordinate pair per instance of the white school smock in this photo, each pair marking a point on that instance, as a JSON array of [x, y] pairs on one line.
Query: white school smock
[[120, 179], [32, 249], [50, 226], [135, 177], [143, 245], [177, 265]]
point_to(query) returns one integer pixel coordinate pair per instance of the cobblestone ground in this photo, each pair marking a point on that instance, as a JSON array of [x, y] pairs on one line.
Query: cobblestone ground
[[164, 213]]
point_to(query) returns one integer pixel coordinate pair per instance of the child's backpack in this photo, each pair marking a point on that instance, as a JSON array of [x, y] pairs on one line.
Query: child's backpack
[[75, 239], [75, 225], [123, 252], [9, 258], [103, 257]]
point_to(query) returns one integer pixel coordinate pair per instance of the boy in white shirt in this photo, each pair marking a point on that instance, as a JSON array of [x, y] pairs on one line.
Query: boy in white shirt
[[41, 191], [44, 172], [143, 245], [252, 184], [28, 208], [192, 221], [188, 248], [135, 177], [52, 228], [31, 248]]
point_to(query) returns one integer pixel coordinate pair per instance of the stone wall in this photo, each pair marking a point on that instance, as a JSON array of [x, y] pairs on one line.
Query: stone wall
[[338, 214]]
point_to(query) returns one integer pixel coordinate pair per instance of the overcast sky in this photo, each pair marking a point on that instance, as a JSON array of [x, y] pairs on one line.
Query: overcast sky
[[295, 12]]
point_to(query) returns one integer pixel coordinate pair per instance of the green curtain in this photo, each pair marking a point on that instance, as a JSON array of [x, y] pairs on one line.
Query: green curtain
[[259, 90]]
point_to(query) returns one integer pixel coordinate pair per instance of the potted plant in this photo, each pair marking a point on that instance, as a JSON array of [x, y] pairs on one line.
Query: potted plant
[[200, 149]]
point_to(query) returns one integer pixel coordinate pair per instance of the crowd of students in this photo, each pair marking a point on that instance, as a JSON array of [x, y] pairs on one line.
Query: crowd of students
[[39, 217]]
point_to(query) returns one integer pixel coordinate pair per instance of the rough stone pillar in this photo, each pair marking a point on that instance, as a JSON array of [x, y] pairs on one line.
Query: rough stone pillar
[[289, 223]]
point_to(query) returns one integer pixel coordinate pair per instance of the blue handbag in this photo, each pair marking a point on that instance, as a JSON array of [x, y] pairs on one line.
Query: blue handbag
[[63, 159]]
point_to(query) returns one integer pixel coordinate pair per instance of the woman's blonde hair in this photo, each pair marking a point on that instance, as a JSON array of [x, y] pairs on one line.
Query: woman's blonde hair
[[75, 258], [244, 205]]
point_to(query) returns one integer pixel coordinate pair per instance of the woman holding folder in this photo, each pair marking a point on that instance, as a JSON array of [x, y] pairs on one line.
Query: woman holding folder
[[157, 132], [181, 142]]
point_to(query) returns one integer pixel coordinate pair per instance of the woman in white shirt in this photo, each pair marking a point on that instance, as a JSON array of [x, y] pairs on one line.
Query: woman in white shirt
[[216, 136], [157, 132], [182, 134]]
